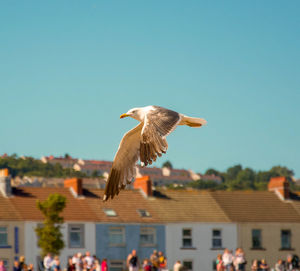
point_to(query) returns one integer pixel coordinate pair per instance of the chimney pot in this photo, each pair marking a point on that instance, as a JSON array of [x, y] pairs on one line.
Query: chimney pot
[[145, 184], [75, 184], [281, 186], [5, 184]]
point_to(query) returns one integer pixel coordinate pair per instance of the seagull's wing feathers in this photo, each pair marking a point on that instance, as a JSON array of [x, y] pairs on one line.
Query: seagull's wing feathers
[[123, 168], [159, 123]]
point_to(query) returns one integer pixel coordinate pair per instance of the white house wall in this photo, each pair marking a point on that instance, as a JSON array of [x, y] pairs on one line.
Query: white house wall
[[202, 255], [32, 251]]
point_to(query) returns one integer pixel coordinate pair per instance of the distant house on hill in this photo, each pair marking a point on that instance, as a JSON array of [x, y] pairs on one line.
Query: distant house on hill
[[211, 177], [159, 176]]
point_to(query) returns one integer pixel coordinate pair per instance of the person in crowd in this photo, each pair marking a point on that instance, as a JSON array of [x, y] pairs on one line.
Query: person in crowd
[[219, 263], [154, 260], [162, 261], [146, 265], [16, 266], [47, 262], [279, 266], [104, 266], [2, 267], [88, 260], [55, 265], [97, 266], [254, 266], [133, 261], [23, 265], [177, 266], [289, 263], [227, 259], [70, 265], [76, 260], [30, 267], [264, 266], [239, 260]]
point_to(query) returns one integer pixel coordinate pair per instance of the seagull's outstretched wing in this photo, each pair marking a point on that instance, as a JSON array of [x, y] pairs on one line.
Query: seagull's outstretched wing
[[159, 123], [123, 168]]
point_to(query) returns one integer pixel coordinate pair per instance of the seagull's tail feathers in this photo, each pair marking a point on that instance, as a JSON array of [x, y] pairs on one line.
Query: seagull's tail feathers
[[192, 122]]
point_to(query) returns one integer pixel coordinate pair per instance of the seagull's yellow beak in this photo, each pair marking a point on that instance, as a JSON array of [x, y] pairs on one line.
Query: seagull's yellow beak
[[124, 116]]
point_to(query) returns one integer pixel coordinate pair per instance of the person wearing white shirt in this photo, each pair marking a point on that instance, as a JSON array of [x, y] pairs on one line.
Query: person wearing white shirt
[[89, 260], [177, 266], [227, 259], [47, 262]]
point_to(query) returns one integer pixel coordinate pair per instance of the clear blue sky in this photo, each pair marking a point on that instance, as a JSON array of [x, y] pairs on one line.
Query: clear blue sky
[[70, 68]]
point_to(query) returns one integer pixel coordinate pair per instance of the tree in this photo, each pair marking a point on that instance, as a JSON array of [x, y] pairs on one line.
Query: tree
[[168, 164], [33, 167], [232, 172], [212, 171], [94, 174], [49, 236], [282, 171]]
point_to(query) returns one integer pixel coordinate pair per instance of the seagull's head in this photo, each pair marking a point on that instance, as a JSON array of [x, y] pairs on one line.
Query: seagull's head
[[135, 113]]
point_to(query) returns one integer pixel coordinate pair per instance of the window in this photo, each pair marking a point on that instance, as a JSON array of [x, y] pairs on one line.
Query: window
[[188, 265], [143, 213], [110, 212], [147, 236], [256, 238], [3, 236], [216, 238], [116, 236], [187, 238], [76, 236], [116, 265], [285, 239]]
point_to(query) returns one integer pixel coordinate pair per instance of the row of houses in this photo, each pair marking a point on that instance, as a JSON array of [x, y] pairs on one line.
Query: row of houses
[[187, 225], [159, 176]]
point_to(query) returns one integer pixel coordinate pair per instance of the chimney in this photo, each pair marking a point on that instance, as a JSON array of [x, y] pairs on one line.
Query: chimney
[[280, 186], [76, 186], [145, 184], [5, 185]]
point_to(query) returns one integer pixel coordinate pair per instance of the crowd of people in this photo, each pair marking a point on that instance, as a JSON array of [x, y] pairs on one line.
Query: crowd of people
[[19, 265], [156, 262], [290, 264], [229, 261], [79, 262]]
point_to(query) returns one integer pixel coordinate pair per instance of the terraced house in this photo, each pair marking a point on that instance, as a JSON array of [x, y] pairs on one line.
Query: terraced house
[[187, 225], [108, 230]]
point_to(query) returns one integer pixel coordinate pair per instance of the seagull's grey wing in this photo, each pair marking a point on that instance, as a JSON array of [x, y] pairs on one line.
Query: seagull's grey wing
[[123, 168], [159, 123]]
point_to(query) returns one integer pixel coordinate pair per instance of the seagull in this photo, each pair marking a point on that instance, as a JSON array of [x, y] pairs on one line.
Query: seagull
[[146, 142]]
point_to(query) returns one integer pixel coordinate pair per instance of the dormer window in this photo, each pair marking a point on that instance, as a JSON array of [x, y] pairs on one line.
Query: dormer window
[[110, 212], [143, 213]]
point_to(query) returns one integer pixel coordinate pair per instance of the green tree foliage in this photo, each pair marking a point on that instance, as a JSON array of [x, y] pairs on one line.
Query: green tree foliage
[[282, 171], [32, 167], [50, 238], [95, 174], [232, 172], [167, 164], [239, 178], [212, 171]]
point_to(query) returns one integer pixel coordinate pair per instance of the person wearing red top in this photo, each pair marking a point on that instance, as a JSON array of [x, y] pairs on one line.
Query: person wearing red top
[[146, 265], [104, 266]]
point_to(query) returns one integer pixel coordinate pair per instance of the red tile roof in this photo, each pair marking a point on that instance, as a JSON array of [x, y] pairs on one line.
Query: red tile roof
[[166, 206]]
